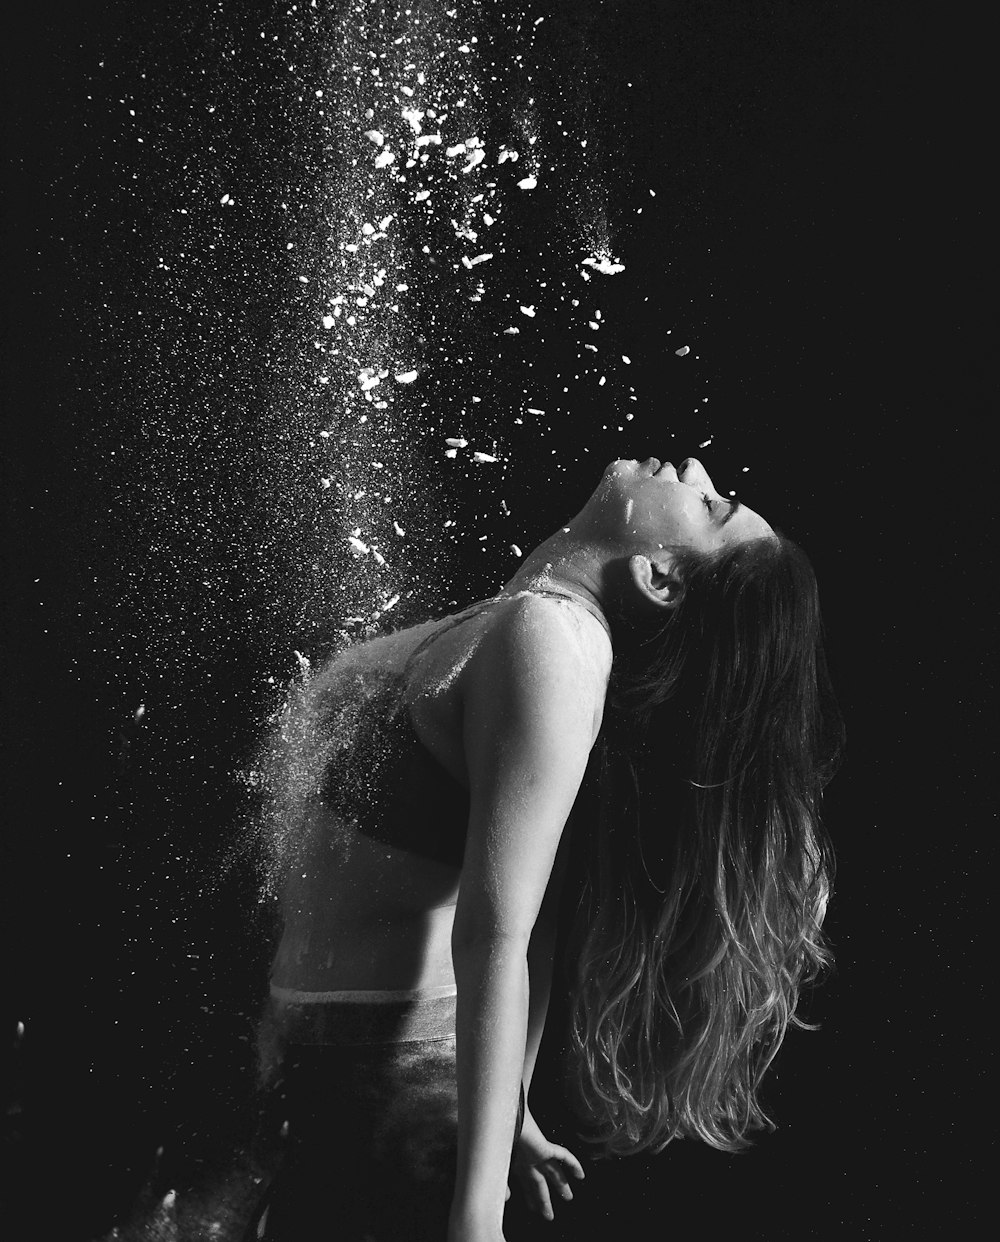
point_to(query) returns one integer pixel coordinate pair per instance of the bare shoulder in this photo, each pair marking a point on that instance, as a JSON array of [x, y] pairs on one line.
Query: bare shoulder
[[545, 650]]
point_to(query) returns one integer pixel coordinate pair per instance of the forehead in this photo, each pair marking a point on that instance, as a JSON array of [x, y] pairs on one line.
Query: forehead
[[745, 524]]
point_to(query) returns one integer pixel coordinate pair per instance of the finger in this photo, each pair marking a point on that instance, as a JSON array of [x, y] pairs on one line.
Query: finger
[[540, 1194], [558, 1182], [568, 1158]]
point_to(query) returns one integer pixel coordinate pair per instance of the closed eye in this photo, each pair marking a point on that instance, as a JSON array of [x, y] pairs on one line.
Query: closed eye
[[734, 505]]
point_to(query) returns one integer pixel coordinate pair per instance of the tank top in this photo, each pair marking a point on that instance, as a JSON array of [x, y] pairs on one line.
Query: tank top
[[405, 797]]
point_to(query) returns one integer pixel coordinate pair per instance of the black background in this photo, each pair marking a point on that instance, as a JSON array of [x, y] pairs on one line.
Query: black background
[[821, 162]]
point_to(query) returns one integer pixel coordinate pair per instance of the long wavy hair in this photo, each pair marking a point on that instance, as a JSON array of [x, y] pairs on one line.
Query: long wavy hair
[[709, 870]]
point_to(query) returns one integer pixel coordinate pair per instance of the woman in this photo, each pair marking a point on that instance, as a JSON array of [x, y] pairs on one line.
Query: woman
[[420, 786]]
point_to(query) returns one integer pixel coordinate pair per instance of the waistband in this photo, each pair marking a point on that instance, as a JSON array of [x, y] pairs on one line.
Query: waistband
[[364, 1017]]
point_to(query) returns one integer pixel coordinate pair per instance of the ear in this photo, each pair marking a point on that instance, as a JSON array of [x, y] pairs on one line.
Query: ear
[[656, 580]]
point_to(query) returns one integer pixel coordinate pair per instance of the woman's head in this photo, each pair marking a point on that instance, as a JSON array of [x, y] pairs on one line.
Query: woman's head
[[645, 516]]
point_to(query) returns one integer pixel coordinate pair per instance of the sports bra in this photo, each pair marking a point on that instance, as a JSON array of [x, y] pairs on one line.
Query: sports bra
[[387, 784]]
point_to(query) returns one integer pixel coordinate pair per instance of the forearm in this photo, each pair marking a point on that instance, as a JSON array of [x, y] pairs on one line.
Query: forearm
[[541, 952], [492, 978]]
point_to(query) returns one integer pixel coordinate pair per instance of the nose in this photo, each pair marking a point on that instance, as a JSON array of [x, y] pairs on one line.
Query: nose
[[691, 471]]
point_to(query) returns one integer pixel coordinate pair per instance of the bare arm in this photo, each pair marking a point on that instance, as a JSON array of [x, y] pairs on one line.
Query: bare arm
[[533, 699]]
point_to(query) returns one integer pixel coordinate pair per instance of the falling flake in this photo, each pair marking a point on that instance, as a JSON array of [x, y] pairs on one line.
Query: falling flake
[[375, 136], [328, 321], [357, 545], [516, 550], [483, 457], [407, 377], [384, 160], [529, 311], [627, 360], [684, 349], [456, 442], [606, 265], [529, 183]]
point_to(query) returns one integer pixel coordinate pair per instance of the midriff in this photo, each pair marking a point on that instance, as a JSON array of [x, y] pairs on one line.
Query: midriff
[[379, 918]]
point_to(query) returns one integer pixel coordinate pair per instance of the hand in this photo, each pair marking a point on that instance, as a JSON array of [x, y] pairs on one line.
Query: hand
[[542, 1168]]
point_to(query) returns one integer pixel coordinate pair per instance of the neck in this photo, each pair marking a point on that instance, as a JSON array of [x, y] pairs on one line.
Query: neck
[[565, 562]]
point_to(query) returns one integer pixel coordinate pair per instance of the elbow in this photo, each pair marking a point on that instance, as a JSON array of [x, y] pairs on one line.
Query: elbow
[[477, 935]]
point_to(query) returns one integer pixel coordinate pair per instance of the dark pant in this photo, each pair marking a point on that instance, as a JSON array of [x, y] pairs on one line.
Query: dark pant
[[370, 1149]]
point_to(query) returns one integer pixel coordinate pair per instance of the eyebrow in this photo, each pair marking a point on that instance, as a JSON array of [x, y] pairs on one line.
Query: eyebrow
[[732, 512]]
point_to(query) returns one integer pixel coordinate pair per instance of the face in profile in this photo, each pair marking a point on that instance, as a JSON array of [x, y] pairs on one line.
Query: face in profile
[[647, 504]]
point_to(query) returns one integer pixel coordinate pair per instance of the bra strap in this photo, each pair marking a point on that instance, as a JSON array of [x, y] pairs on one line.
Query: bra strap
[[479, 605]]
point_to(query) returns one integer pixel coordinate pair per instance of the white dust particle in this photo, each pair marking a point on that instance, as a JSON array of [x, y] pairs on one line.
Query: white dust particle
[[414, 116], [384, 160], [328, 321], [627, 360], [684, 349], [593, 324], [391, 603], [451, 452], [529, 311], [407, 377], [480, 458], [224, 200], [456, 442], [357, 545], [705, 443], [529, 183], [605, 265], [375, 136], [744, 469], [397, 528], [516, 550], [511, 331], [532, 410], [419, 198]]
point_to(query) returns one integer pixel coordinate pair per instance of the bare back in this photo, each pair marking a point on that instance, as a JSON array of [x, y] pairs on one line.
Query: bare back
[[379, 917]]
